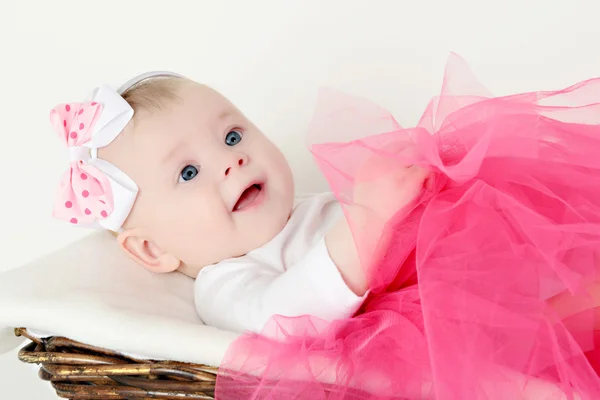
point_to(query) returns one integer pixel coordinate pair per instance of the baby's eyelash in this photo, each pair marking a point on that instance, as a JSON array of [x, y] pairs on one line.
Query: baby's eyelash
[[235, 128]]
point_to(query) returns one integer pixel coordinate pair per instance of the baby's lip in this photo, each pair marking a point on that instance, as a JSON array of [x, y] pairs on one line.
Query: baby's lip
[[258, 183]]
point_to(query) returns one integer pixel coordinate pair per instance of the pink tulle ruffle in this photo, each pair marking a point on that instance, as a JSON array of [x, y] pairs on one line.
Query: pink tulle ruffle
[[485, 290]]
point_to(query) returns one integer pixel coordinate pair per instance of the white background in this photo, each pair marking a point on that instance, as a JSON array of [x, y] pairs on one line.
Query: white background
[[269, 57]]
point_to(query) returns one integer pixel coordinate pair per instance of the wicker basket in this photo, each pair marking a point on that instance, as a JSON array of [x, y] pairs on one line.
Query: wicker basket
[[79, 371]]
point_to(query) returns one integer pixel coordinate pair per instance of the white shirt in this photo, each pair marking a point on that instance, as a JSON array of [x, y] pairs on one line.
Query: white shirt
[[291, 275]]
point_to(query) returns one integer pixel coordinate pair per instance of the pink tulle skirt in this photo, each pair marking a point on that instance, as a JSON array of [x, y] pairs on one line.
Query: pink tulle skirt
[[486, 288]]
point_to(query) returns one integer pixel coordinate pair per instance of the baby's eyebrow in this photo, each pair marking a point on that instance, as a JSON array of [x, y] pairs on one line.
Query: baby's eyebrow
[[173, 152], [224, 114]]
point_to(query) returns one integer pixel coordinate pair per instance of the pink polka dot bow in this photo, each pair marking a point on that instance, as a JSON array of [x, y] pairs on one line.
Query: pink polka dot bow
[[93, 192]]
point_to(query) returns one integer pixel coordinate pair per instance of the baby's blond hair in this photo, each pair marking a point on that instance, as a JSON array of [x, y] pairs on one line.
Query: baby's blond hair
[[152, 94]]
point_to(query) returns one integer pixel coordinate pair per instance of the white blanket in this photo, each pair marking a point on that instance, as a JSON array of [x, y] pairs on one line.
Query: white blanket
[[90, 292]]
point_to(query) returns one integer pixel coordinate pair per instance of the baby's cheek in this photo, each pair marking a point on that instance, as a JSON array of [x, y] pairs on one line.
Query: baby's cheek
[[200, 220], [192, 224], [206, 244]]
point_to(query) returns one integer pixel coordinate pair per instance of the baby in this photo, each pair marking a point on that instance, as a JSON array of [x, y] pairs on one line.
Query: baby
[[187, 183], [214, 199]]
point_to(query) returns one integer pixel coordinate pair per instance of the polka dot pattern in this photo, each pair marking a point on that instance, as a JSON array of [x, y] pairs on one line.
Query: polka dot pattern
[[84, 195], [84, 200], [74, 122]]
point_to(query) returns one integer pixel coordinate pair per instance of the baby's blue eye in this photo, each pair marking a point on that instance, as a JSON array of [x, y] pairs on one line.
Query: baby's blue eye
[[233, 138], [189, 173]]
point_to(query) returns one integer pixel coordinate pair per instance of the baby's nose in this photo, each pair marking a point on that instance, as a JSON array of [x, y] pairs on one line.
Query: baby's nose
[[236, 162]]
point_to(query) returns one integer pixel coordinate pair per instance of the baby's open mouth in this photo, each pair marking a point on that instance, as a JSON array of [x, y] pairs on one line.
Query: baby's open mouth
[[247, 197]]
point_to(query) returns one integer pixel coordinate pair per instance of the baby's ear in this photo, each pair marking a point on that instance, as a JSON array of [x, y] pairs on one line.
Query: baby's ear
[[146, 253]]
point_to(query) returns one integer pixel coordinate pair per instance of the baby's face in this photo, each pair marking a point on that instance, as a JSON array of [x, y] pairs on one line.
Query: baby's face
[[211, 185]]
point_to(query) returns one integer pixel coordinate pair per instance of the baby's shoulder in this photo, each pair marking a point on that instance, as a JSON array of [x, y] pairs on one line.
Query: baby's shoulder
[[314, 214]]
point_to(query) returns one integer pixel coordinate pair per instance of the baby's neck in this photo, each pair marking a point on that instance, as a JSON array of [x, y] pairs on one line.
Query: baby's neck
[[190, 270]]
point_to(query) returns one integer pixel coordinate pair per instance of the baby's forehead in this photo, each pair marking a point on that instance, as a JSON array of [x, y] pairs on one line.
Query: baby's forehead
[[195, 103], [202, 96], [198, 110]]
